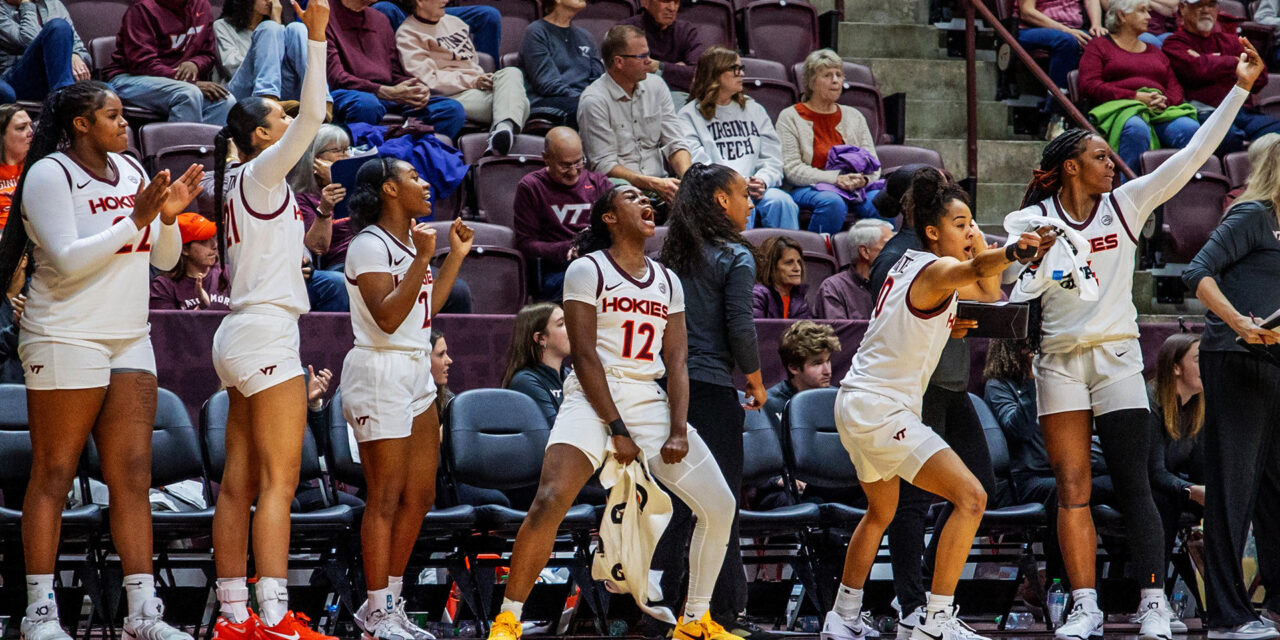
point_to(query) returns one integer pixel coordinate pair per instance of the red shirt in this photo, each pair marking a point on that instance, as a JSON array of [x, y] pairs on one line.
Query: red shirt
[[1208, 75], [825, 135], [1108, 72], [8, 181]]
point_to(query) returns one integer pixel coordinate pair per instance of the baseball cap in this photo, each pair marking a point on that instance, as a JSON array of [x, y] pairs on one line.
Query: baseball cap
[[195, 227]]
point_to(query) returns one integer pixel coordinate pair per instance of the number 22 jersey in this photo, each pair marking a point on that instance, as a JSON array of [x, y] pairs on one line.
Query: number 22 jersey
[[631, 314]]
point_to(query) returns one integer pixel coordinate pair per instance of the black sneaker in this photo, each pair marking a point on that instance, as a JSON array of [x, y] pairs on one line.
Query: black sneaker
[[749, 630], [500, 140], [651, 628]]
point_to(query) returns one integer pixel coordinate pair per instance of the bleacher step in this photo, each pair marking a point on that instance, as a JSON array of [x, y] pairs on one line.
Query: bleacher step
[[879, 40], [995, 200], [928, 79], [948, 118], [1008, 161], [886, 12]]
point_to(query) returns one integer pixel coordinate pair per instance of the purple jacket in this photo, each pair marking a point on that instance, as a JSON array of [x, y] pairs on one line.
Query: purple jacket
[[847, 158], [766, 303], [845, 296]]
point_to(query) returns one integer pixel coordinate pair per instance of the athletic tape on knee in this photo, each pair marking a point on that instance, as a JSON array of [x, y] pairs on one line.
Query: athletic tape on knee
[[1073, 506]]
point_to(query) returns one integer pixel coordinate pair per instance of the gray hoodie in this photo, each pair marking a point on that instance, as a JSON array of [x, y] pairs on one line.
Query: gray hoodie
[[20, 25]]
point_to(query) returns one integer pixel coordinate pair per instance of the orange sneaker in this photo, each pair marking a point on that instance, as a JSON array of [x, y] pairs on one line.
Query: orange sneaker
[[225, 629], [505, 627], [294, 626]]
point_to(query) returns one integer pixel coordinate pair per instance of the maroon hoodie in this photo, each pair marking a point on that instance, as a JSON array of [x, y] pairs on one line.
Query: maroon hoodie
[[158, 35], [362, 50]]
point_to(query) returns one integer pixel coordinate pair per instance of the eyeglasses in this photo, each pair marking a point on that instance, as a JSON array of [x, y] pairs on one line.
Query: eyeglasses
[[567, 166], [737, 69], [637, 56], [333, 150]]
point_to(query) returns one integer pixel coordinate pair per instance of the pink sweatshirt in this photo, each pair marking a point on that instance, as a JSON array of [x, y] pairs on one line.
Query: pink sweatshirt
[[440, 54]]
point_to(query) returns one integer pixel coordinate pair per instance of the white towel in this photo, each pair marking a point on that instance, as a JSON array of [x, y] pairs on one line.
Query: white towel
[[635, 517], [1065, 265]]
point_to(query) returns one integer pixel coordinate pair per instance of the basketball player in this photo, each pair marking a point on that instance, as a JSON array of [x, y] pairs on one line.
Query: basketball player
[[1089, 367], [96, 224], [255, 350], [625, 316], [878, 408], [388, 395]]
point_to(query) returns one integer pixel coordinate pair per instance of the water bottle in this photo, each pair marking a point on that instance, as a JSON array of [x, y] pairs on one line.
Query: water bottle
[[1057, 601], [793, 604], [1183, 602]]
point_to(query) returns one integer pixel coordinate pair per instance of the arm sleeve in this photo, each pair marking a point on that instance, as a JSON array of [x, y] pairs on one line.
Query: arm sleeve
[[1202, 66], [167, 246], [1149, 191], [338, 75], [769, 168], [693, 141], [17, 34], [597, 134], [51, 222], [739, 313], [1091, 82], [269, 169], [1231, 241], [794, 167], [528, 385], [542, 76], [672, 137], [137, 44], [581, 281]]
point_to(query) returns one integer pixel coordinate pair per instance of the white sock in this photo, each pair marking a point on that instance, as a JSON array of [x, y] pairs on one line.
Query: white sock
[[139, 587], [273, 600], [694, 608], [40, 601], [396, 585], [848, 602], [233, 595], [382, 599], [515, 608], [938, 604], [1089, 597]]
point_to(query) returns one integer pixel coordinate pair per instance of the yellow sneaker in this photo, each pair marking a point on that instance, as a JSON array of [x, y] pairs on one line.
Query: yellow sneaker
[[505, 627], [702, 629]]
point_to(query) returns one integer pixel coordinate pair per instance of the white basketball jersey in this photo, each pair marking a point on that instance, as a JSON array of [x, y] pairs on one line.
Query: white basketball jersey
[[631, 314], [902, 344], [109, 302], [373, 250], [1069, 322], [264, 249]]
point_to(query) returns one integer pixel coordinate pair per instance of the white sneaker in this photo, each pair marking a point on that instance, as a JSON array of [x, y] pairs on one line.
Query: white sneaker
[[1178, 627], [361, 613], [1085, 621], [41, 623], [837, 627], [1252, 630], [1270, 618], [381, 624], [407, 625], [944, 625], [151, 626], [1155, 615], [908, 623]]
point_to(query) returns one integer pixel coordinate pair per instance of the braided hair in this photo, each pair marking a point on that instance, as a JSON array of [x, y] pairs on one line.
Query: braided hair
[[926, 200], [55, 132], [1047, 180]]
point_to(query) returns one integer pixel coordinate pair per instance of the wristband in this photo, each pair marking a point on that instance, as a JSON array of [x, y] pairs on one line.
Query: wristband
[[619, 428], [1012, 253]]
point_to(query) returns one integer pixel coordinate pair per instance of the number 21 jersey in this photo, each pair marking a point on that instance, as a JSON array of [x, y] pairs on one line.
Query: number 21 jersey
[[631, 314]]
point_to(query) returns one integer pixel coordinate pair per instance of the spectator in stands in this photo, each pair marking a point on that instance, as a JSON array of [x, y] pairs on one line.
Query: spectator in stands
[[39, 50], [553, 204], [317, 195], [437, 50], [847, 295], [1058, 25], [1164, 20], [1139, 101], [724, 126], [367, 79], [484, 22], [15, 139], [257, 55], [1177, 416], [780, 287], [675, 46], [440, 363], [1203, 57], [1010, 390], [805, 351], [630, 130], [197, 281], [1268, 12], [164, 61], [1230, 275], [535, 359], [809, 130], [559, 61], [1257, 155]]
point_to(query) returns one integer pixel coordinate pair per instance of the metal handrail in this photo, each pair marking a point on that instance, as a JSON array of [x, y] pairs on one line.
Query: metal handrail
[[971, 83]]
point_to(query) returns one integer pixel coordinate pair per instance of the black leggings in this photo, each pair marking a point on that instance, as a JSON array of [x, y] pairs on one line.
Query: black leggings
[[1124, 436]]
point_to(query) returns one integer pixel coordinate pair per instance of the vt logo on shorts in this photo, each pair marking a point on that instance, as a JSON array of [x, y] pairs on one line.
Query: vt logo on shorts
[[360, 420], [35, 368], [266, 371], [902, 433]]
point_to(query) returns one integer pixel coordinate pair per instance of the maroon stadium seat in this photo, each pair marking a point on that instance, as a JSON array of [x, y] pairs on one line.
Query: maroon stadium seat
[[817, 267], [782, 30], [714, 18], [602, 15], [809, 241], [176, 146], [495, 179], [96, 19], [761, 68], [1192, 214], [1237, 167], [893, 156], [773, 95], [473, 145], [496, 276], [653, 246], [487, 235], [529, 10]]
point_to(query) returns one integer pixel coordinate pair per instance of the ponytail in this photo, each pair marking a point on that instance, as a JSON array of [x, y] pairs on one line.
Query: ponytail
[[365, 201], [54, 132], [926, 200], [244, 117]]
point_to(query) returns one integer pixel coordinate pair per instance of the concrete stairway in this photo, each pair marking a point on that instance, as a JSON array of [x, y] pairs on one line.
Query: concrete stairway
[[908, 55]]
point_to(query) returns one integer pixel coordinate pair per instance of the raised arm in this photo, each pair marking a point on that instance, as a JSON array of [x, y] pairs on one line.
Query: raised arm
[[946, 275]]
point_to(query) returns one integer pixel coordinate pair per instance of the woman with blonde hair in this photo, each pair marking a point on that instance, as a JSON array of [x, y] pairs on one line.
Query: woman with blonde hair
[[808, 130], [1176, 463], [724, 126]]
